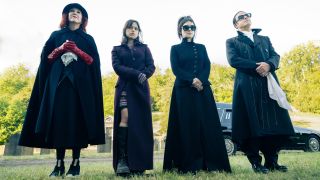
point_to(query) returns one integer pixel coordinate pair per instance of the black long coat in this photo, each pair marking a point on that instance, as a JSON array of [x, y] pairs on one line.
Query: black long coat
[[255, 114], [194, 137], [128, 64], [75, 90]]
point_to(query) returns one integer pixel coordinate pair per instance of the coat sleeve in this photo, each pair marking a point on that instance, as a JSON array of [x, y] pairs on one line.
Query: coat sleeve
[[177, 70], [204, 73], [150, 68], [237, 62], [123, 72], [273, 61]]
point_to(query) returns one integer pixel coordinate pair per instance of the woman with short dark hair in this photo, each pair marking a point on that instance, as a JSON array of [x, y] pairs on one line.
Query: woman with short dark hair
[[66, 106], [133, 136], [194, 139]]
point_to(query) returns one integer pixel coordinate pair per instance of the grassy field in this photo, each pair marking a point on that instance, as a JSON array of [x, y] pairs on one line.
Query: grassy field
[[301, 166]]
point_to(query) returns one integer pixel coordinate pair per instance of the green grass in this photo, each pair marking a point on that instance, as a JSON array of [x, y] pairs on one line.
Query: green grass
[[301, 166]]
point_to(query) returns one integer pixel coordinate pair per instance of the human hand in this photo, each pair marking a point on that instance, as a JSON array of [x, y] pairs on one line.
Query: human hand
[[197, 84], [263, 69], [142, 77]]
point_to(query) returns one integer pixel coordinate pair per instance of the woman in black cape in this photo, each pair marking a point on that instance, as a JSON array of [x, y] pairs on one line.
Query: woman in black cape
[[66, 106]]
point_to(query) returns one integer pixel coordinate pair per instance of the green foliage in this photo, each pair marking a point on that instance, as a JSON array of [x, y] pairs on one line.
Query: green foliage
[[15, 87], [108, 89], [300, 76], [222, 79]]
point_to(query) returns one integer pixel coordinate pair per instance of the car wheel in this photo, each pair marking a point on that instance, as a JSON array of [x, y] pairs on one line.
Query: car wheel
[[313, 144], [230, 146]]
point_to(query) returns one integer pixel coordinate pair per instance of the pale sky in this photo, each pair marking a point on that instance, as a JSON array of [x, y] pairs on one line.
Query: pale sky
[[25, 25]]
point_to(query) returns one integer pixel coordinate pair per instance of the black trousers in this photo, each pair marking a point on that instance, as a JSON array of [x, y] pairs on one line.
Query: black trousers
[[268, 145], [60, 152]]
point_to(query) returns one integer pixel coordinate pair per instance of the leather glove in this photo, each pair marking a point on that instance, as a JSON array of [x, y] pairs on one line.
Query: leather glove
[[141, 78], [84, 56], [59, 50]]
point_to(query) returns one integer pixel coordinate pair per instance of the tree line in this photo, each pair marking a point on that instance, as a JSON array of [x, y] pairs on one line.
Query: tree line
[[299, 77]]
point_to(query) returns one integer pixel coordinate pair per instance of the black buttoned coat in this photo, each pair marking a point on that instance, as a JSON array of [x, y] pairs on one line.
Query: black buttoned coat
[[194, 138], [128, 64], [254, 114]]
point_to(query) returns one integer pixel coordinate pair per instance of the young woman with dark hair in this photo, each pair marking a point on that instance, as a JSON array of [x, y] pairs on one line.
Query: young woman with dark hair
[[133, 136]]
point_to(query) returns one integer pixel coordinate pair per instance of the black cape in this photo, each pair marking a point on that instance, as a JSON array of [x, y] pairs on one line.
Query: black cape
[[83, 86]]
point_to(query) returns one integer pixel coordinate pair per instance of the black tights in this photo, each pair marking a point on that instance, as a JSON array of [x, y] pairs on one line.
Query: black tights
[[61, 153]]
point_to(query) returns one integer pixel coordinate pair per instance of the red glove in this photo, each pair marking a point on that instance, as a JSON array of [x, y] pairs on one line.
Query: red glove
[[84, 56], [59, 50]]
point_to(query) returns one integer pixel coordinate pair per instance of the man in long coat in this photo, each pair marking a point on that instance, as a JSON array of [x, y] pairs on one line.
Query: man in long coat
[[258, 122]]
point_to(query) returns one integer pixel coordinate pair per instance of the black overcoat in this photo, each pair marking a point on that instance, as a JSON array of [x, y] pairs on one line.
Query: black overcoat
[[86, 87], [194, 138], [255, 114], [128, 64]]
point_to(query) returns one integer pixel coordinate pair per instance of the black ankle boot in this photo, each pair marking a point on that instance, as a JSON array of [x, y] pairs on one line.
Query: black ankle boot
[[122, 166], [258, 168], [74, 170], [58, 170]]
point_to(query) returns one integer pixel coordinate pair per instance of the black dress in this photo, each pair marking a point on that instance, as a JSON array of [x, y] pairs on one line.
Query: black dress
[[194, 138], [66, 108]]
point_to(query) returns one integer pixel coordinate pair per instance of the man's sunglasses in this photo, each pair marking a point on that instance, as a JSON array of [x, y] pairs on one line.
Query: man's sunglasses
[[186, 27], [241, 17]]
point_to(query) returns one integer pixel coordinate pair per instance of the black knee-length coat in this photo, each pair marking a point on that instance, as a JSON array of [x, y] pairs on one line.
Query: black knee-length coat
[[128, 64], [194, 138], [254, 113], [66, 105]]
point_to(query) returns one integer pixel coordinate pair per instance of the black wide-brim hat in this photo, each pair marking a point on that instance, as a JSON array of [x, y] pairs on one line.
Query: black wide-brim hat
[[75, 5]]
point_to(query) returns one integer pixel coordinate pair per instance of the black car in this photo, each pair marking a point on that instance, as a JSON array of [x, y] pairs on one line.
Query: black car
[[305, 139]]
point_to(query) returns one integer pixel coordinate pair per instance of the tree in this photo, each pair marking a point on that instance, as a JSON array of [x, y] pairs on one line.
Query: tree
[[15, 88], [108, 89], [300, 76]]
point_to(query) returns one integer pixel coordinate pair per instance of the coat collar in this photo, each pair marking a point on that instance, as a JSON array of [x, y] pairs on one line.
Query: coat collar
[[248, 41], [185, 41], [136, 42]]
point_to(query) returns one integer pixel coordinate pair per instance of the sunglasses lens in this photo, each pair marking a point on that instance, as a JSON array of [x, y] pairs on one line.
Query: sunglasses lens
[[186, 28], [241, 17]]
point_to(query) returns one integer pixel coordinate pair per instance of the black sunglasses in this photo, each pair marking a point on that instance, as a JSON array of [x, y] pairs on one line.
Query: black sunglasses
[[241, 17], [187, 27]]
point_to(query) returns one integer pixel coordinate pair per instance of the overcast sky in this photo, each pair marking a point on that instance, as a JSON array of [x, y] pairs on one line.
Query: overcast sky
[[25, 25]]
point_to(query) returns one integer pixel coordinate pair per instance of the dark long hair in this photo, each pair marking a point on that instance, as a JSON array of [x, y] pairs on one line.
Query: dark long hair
[[181, 22], [127, 25], [65, 22]]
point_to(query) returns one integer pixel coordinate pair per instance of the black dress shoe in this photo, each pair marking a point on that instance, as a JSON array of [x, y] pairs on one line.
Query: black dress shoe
[[58, 171], [277, 167], [74, 170], [258, 168]]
